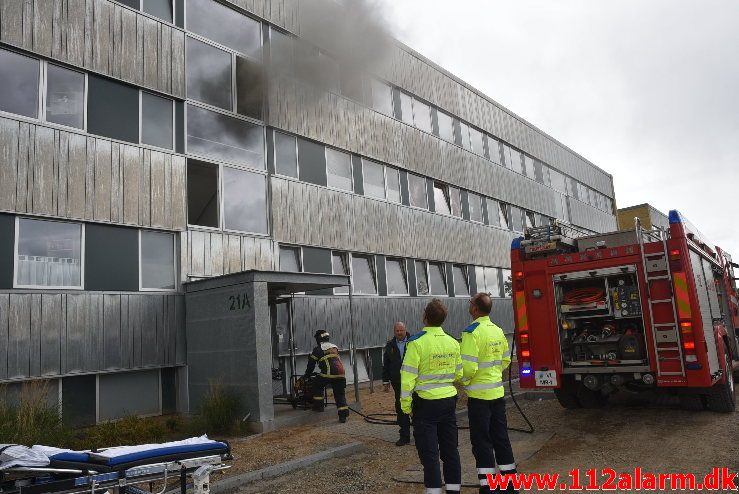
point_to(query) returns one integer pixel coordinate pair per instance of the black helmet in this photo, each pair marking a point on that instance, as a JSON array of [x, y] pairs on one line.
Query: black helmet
[[321, 336]]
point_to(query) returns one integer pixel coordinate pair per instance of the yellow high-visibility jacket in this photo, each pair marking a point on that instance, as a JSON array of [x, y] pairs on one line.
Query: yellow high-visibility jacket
[[485, 355], [431, 365]]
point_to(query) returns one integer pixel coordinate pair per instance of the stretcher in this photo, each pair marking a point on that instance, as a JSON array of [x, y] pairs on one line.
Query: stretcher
[[117, 470]]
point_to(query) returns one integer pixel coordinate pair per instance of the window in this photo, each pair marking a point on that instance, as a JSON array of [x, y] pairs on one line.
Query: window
[[286, 155], [363, 275], [202, 194], [494, 150], [530, 220], [422, 278], [441, 198], [374, 179], [48, 254], [516, 219], [503, 215], [418, 193], [475, 203], [406, 108], [112, 109], [290, 259], [158, 8], [437, 278], [397, 282], [422, 115], [280, 52], [244, 201], [382, 97], [492, 282], [515, 163], [392, 177], [209, 74], [558, 180], [224, 138], [528, 164], [446, 126], [507, 283], [225, 26], [352, 83], [329, 75], [65, 96], [19, 78], [340, 265], [157, 260], [455, 199], [493, 212], [338, 169], [461, 283], [464, 131], [157, 121], [476, 139], [250, 86]]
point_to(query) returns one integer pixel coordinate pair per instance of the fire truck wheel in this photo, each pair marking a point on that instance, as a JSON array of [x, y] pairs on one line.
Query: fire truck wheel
[[567, 393], [591, 399], [721, 396], [692, 401]]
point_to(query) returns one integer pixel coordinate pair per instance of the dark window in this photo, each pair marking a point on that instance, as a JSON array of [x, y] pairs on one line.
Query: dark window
[[397, 282], [363, 275], [169, 390], [134, 4], [79, 405], [7, 245], [441, 198], [503, 216], [19, 76], [494, 150], [112, 109], [158, 8], [312, 161], [515, 163], [475, 204], [418, 192], [250, 85], [244, 201], [157, 261], [224, 138], [437, 278], [290, 259], [507, 283], [476, 140], [49, 254], [280, 52], [352, 83], [422, 278], [103, 243], [516, 219], [464, 130], [374, 179], [202, 194], [65, 96], [530, 221], [461, 281], [317, 260], [340, 265], [455, 198], [208, 74], [157, 121], [223, 25], [286, 155]]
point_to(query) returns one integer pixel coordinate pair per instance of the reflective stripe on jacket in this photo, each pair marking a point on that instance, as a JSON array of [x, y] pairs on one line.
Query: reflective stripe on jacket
[[431, 365], [329, 363], [485, 355]]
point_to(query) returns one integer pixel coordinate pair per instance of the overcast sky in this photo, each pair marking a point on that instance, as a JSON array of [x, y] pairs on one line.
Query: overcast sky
[[646, 89]]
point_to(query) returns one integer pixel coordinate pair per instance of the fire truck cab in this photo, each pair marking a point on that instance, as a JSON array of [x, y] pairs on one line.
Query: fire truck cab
[[638, 309]]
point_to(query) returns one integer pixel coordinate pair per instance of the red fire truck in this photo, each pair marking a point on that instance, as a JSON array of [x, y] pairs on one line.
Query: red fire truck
[[638, 309]]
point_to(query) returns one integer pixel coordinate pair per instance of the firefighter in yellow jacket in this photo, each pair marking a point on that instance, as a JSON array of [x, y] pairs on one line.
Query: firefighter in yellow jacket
[[430, 366], [485, 355], [331, 373]]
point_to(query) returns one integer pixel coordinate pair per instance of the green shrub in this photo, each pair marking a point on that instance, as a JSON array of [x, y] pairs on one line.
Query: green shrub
[[124, 432], [33, 420], [220, 412]]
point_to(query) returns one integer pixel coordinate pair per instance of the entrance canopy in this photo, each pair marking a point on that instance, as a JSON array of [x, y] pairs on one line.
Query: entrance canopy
[[278, 282]]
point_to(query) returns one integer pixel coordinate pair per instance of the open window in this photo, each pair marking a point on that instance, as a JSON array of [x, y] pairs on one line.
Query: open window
[[397, 281], [441, 198], [364, 278]]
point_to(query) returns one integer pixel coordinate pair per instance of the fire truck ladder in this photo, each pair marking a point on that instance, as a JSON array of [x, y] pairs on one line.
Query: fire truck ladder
[[665, 334]]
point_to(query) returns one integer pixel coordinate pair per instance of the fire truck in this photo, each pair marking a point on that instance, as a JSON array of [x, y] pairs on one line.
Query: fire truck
[[634, 310]]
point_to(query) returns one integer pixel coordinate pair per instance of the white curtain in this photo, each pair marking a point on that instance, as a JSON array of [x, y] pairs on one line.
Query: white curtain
[[48, 271]]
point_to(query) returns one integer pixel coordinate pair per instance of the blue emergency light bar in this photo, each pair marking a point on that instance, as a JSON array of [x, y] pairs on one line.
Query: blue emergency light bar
[[525, 371]]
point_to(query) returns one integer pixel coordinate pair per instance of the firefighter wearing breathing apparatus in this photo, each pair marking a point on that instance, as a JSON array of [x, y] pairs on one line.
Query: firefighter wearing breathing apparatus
[[485, 355], [331, 373], [430, 367]]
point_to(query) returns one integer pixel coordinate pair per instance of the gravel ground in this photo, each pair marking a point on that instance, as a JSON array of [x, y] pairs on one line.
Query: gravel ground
[[633, 431]]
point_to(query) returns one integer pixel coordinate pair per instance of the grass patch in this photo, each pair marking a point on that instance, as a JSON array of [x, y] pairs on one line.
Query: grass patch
[[220, 412]]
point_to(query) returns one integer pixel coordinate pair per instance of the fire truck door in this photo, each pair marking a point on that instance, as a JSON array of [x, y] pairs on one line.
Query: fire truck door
[[708, 301]]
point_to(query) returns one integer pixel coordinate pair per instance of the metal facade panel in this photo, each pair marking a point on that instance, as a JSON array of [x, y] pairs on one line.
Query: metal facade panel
[[52, 323], [9, 135], [586, 216], [19, 336]]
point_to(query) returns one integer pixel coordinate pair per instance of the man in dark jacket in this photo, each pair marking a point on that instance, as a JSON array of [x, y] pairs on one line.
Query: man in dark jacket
[[330, 373], [391, 361]]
